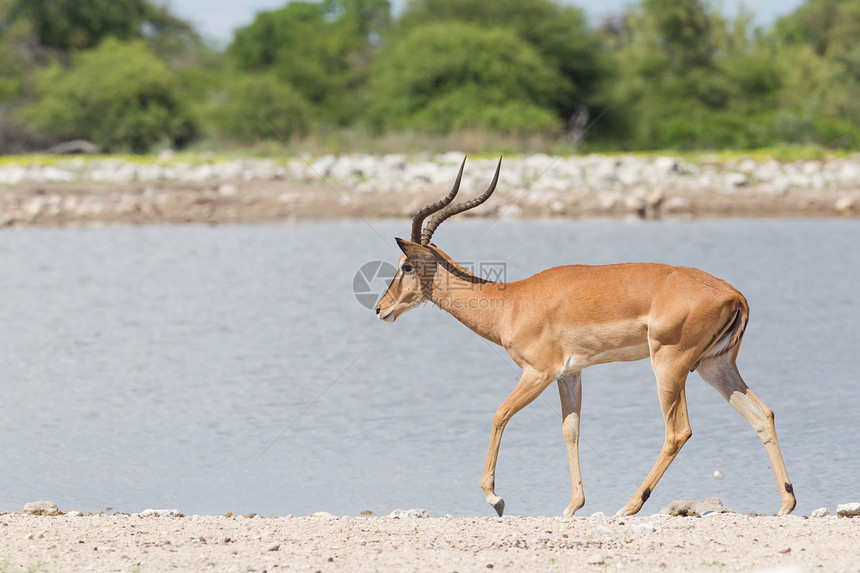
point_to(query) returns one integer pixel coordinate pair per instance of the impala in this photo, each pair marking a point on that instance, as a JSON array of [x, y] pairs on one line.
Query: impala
[[567, 318]]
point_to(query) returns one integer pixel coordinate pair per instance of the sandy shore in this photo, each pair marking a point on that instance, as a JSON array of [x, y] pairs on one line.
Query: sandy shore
[[727, 542]]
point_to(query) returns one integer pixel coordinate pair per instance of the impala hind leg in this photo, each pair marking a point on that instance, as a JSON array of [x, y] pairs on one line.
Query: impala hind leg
[[722, 373], [529, 387], [671, 377], [570, 391]]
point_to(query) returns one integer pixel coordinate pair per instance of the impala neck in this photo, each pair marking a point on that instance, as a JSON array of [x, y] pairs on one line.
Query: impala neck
[[476, 302]]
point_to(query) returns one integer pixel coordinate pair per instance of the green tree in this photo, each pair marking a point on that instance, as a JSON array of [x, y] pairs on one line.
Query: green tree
[[560, 34], [827, 25], [259, 106], [684, 77], [117, 95], [685, 31], [318, 49], [454, 75], [79, 24], [14, 62], [816, 47]]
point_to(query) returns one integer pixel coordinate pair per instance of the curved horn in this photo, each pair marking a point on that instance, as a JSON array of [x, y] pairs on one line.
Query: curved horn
[[418, 218], [437, 219]]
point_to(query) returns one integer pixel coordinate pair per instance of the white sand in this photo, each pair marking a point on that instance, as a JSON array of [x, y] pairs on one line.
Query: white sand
[[729, 542]]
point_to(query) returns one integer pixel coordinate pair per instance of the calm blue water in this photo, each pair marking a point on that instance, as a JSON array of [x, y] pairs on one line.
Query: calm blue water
[[232, 369]]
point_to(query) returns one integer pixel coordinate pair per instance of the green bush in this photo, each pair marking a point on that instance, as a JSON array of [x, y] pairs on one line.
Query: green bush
[[560, 34], [119, 96], [443, 77], [258, 106], [320, 49], [64, 25]]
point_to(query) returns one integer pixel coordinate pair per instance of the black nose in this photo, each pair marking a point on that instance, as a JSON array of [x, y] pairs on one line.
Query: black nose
[[377, 310]]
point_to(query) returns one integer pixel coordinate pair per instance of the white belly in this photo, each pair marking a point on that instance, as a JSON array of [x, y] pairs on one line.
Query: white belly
[[623, 354]]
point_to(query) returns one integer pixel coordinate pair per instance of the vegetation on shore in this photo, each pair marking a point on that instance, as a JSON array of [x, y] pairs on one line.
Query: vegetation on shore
[[512, 76]]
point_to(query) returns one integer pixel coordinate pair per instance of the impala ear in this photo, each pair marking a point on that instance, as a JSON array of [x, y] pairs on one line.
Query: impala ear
[[414, 251]]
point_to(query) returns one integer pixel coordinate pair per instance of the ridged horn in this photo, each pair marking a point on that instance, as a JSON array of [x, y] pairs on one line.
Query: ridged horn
[[418, 218], [437, 219]]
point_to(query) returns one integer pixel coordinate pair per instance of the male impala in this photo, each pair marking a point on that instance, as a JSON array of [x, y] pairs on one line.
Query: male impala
[[564, 319]]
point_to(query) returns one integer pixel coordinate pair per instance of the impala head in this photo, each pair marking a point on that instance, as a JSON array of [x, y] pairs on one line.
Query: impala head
[[416, 270]]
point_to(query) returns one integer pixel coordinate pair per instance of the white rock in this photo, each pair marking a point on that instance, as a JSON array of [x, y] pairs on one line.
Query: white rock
[[695, 507], [629, 176], [451, 157], [557, 208], [605, 171], [40, 507], [160, 513], [74, 514], [718, 474], [634, 203], [844, 205], [736, 179], [228, 190], [666, 164], [848, 509], [53, 174], [747, 165], [820, 512], [229, 169], [608, 201], [12, 175], [644, 527], [596, 560], [150, 172], [324, 514], [409, 513], [35, 206], [598, 514], [395, 161]]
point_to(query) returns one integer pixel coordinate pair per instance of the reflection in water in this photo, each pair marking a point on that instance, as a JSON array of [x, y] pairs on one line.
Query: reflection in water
[[232, 369]]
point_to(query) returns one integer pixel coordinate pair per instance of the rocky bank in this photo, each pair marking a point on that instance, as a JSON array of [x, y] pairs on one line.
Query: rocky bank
[[98, 190]]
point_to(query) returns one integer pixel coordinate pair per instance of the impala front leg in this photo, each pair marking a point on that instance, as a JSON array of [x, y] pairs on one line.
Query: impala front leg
[[570, 391], [530, 387]]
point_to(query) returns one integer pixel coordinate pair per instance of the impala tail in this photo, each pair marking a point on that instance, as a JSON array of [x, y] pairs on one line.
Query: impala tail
[[729, 337]]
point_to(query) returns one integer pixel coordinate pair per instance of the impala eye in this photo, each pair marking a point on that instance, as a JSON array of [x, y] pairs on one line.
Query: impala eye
[[406, 268]]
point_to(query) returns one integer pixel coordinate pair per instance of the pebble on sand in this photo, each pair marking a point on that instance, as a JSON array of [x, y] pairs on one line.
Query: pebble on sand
[[848, 509], [409, 513], [696, 507], [160, 513], [40, 507]]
